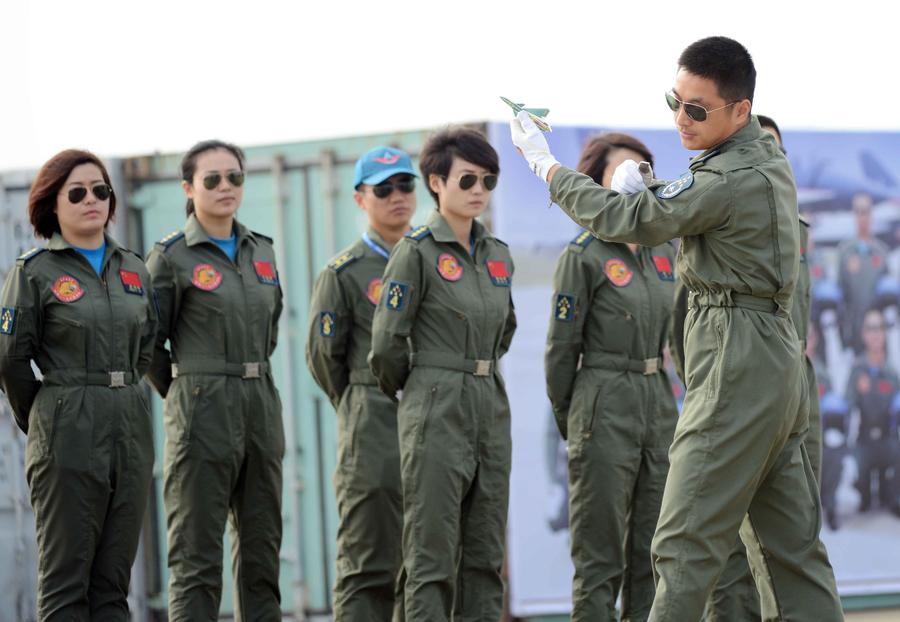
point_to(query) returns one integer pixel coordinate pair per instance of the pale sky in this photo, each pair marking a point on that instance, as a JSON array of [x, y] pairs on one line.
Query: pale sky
[[122, 78]]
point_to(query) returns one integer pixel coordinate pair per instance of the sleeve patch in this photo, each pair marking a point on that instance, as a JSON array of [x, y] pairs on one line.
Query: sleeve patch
[[564, 308], [327, 323], [673, 189], [396, 296], [7, 321]]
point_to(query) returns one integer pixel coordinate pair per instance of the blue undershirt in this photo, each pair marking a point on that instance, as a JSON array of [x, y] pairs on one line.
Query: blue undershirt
[[228, 245], [94, 256]]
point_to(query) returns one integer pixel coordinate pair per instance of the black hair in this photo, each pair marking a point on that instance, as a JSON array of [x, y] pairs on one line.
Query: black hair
[[724, 61], [189, 162], [465, 143], [595, 155]]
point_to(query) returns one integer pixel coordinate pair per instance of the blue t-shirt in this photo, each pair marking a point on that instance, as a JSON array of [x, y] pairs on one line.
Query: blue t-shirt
[[228, 245], [94, 255]]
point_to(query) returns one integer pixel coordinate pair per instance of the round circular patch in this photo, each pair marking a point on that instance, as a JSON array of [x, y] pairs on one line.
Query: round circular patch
[[618, 273], [67, 289], [206, 277], [449, 268], [373, 291]]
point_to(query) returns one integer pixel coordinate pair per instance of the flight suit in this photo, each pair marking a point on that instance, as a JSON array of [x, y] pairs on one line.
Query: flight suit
[[611, 309], [367, 478], [224, 434], [860, 265], [835, 430], [89, 457], [445, 318], [871, 390], [738, 447], [736, 597]]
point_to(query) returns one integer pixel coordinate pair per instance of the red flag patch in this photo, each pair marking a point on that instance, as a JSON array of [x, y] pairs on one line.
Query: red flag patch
[[131, 281], [498, 273], [265, 273], [663, 268]]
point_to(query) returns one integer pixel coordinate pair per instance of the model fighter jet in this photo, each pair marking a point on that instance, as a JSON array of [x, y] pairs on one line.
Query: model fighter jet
[[537, 114]]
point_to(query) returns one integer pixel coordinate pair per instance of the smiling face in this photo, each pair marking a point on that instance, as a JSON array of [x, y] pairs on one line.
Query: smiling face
[[719, 125], [223, 200], [453, 200], [89, 216]]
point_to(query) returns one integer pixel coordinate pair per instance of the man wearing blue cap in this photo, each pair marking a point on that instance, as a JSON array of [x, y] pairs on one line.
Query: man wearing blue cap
[[367, 479]]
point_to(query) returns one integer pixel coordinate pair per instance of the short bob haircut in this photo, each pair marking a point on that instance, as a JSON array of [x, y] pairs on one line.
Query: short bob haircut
[[48, 183], [464, 143], [595, 154]]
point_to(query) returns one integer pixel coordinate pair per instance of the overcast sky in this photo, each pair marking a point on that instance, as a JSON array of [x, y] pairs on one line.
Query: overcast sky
[[122, 77]]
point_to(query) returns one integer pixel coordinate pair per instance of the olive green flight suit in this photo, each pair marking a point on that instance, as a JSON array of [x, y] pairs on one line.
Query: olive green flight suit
[[367, 478], [445, 318], [735, 597], [611, 309], [860, 266], [738, 448], [89, 457], [224, 435]]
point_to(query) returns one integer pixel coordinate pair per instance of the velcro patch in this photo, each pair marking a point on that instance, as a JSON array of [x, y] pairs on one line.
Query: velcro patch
[[564, 308], [498, 273], [7, 321], [265, 273], [396, 296], [67, 289], [326, 323], [131, 281], [663, 268], [676, 187]]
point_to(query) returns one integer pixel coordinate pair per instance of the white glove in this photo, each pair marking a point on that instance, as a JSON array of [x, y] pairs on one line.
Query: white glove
[[627, 179], [532, 145]]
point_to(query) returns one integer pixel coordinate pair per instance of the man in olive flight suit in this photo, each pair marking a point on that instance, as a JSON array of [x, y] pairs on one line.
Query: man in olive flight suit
[[367, 479], [611, 308], [735, 597], [737, 462]]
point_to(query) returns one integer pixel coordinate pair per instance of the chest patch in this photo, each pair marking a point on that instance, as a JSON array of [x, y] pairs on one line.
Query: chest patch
[[265, 273], [498, 273], [131, 281], [617, 272], [673, 189], [663, 268], [7, 321], [67, 289], [449, 268], [396, 296], [373, 291], [206, 277]]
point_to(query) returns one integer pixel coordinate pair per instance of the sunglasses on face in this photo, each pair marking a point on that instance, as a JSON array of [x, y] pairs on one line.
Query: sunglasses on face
[[468, 180], [385, 189], [235, 178], [78, 193], [694, 111]]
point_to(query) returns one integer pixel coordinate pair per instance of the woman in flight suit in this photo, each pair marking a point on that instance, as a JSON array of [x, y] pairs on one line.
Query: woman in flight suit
[[219, 302], [82, 309], [446, 294], [611, 307]]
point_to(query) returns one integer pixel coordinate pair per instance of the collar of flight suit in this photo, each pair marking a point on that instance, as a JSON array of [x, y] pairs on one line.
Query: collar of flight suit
[[59, 243], [375, 237], [194, 233], [751, 131], [441, 231]]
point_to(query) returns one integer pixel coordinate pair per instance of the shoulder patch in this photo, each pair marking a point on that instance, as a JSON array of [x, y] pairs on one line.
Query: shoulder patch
[[170, 239], [263, 237], [673, 189], [583, 239], [804, 223], [34, 252], [420, 233], [500, 241], [342, 261], [703, 158]]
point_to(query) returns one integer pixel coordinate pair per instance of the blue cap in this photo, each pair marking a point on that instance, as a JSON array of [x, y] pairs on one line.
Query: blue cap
[[379, 163]]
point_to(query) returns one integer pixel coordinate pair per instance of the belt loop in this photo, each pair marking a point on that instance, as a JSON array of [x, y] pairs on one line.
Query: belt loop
[[482, 368], [651, 366], [174, 370], [117, 379], [251, 370]]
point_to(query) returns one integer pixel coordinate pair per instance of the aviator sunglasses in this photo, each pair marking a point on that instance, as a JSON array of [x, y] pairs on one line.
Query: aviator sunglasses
[[78, 193], [235, 178], [384, 189], [694, 111], [468, 180]]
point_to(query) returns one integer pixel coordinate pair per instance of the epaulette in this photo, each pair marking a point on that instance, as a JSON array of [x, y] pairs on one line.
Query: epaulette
[[498, 240], [583, 239], [342, 261], [804, 223], [170, 239], [420, 233], [34, 252], [264, 237]]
